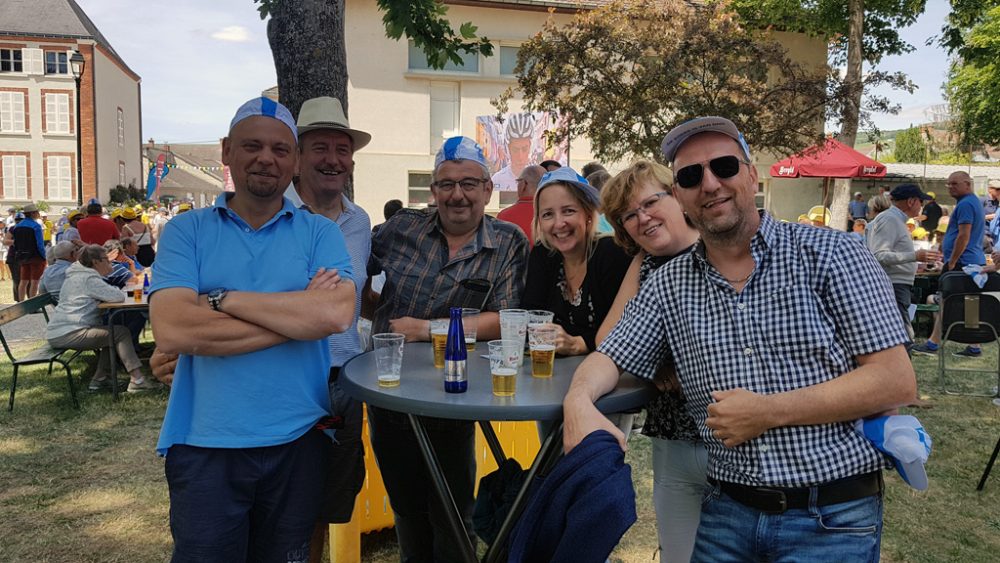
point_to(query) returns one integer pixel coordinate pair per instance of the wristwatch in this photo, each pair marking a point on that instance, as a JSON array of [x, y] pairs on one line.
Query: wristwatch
[[215, 298]]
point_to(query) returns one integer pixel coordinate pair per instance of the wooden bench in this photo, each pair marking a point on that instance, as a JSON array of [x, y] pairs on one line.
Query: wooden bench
[[44, 354]]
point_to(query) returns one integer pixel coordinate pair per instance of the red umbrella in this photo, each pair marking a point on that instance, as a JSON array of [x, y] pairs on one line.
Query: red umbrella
[[833, 160]]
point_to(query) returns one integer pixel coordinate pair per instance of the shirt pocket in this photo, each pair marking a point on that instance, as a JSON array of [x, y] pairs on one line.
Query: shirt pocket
[[796, 327]]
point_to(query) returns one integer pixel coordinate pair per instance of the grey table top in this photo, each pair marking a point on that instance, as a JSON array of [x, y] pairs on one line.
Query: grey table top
[[421, 389]]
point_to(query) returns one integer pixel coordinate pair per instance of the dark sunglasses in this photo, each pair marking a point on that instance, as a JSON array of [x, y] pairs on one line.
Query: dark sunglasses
[[723, 167]]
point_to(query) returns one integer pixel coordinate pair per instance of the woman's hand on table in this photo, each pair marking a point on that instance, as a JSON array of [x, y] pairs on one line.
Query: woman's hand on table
[[163, 366], [566, 344]]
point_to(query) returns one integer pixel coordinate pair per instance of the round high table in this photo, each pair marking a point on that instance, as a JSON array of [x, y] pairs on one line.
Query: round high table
[[421, 393]]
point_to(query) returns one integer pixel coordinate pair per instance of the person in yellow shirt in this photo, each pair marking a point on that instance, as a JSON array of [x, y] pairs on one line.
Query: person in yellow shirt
[[47, 229]]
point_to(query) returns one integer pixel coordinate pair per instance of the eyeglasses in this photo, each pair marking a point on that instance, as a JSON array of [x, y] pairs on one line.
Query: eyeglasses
[[467, 184], [723, 167], [630, 217]]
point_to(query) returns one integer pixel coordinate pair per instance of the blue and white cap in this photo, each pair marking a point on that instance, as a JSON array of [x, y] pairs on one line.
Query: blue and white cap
[[461, 148], [680, 134], [568, 176], [904, 440], [268, 108]]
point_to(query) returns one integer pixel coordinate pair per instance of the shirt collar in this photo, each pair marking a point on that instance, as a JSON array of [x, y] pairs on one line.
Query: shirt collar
[[764, 238], [486, 235], [222, 207], [292, 195]]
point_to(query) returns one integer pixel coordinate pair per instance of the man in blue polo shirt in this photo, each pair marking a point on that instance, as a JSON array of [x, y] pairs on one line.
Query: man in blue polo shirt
[[244, 461]]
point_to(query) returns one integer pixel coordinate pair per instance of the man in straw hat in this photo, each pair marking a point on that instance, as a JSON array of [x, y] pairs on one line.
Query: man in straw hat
[[777, 355], [246, 454], [29, 249]]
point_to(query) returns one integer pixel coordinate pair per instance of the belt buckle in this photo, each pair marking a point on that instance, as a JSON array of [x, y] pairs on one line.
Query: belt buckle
[[776, 495]]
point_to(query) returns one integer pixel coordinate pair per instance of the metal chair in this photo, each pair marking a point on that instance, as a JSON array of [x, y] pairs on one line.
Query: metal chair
[[969, 315]]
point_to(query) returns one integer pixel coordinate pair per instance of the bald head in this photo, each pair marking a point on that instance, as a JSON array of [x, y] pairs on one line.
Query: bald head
[[959, 184], [531, 176]]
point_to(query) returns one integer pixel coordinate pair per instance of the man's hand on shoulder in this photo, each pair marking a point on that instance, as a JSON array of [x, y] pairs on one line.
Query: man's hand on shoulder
[[415, 330], [738, 415]]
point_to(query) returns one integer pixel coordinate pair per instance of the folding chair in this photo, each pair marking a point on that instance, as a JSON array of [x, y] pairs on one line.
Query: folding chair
[[989, 466], [969, 315]]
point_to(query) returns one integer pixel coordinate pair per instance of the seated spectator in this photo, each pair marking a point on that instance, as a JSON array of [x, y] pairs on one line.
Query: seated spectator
[[858, 228], [123, 269], [571, 271], [135, 229], [95, 229], [76, 321], [69, 231], [878, 204], [63, 254]]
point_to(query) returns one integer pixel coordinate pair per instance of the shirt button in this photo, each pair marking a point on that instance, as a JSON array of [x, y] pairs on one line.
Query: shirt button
[[764, 448], [748, 352], [247, 229], [741, 306]]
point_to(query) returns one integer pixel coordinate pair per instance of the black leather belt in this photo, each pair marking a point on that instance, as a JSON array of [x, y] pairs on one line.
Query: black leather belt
[[779, 499]]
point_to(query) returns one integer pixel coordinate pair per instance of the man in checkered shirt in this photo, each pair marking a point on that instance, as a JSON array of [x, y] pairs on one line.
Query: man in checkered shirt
[[782, 335]]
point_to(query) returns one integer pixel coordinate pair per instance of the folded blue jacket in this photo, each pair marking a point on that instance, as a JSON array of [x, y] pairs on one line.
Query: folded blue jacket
[[579, 512]]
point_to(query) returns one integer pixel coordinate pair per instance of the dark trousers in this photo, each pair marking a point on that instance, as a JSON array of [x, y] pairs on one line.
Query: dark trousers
[[346, 473], [249, 504], [904, 296], [15, 274], [421, 526]]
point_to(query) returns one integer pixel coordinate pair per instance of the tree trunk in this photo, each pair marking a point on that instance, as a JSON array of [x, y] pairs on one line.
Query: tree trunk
[[307, 44], [852, 110]]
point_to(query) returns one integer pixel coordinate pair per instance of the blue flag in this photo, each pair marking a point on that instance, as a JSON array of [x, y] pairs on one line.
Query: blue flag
[[151, 180]]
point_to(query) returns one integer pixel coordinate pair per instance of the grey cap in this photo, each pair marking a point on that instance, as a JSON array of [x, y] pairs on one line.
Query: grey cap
[[678, 135]]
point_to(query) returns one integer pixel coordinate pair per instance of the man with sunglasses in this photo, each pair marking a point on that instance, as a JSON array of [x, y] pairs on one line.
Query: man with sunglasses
[[782, 336], [428, 258]]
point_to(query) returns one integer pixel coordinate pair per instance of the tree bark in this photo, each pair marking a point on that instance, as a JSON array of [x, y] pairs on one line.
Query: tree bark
[[310, 58], [852, 110]]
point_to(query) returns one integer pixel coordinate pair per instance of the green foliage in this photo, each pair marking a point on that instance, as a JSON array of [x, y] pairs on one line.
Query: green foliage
[[43, 206], [910, 146], [127, 195], [951, 157], [973, 86], [425, 22], [627, 72], [964, 16]]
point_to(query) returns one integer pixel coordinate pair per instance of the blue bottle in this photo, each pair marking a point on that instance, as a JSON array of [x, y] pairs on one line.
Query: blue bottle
[[145, 284], [456, 375]]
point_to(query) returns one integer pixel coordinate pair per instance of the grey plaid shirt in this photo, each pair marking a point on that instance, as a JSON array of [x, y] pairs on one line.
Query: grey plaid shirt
[[816, 301], [422, 282]]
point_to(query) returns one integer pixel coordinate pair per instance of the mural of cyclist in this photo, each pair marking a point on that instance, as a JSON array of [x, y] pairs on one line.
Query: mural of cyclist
[[519, 131]]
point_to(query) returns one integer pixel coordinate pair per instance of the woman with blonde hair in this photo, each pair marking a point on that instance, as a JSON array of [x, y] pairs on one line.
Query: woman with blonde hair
[[650, 225], [571, 270]]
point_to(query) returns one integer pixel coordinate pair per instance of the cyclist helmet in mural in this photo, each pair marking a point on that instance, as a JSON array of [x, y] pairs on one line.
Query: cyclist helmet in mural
[[520, 126]]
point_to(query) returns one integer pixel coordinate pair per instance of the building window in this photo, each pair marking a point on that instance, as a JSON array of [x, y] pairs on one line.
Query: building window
[[12, 112], [445, 113], [60, 177], [57, 113], [121, 128], [418, 193], [121, 173], [56, 62], [10, 60], [418, 61], [508, 60], [15, 177]]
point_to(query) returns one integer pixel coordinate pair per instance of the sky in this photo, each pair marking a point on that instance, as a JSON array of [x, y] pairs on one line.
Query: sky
[[200, 60]]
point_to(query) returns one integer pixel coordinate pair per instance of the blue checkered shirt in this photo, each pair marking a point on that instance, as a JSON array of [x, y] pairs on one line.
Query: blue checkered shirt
[[816, 301]]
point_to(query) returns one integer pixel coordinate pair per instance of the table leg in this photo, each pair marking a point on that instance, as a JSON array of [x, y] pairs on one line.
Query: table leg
[[113, 351], [546, 458], [444, 493], [493, 442]]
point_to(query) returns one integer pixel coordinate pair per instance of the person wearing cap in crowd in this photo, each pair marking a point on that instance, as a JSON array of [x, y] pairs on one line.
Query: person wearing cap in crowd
[[572, 271], [425, 255], [777, 356], [327, 144], [135, 229], [931, 213], [890, 241], [29, 248], [48, 228], [519, 129], [962, 246], [523, 211], [156, 225], [95, 229], [64, 254], [857, 209], [69, 231], [10, 220], [245, 457]]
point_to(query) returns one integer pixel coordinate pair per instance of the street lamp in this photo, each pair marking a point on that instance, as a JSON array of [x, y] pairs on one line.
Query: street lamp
[[76, 64]]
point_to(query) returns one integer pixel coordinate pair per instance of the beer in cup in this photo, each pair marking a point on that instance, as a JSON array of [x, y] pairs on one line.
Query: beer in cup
[[503, 366], [388, 358], [542, 342], [470, 326], [439, 338]]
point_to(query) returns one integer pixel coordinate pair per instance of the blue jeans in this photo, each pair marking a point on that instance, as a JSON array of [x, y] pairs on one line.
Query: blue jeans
[[730, 531]]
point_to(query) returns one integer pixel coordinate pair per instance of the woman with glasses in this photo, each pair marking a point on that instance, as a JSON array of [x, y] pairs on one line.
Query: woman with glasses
[[76, 321], [571, 271], [650, 225]]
